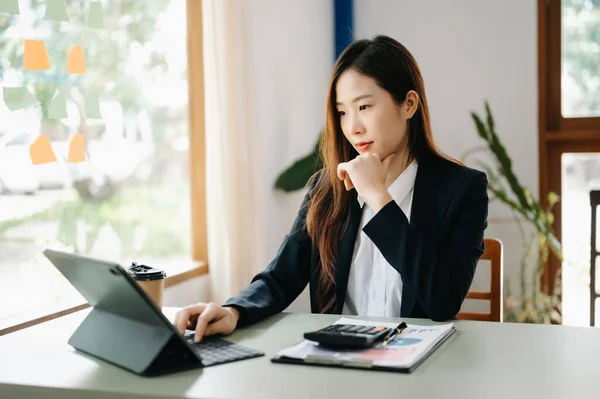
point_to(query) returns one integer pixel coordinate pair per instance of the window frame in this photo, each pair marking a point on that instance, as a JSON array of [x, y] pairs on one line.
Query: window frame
[[557, 134]]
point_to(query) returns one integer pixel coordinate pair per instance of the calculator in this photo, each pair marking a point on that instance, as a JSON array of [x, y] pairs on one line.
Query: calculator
[[348, 336]]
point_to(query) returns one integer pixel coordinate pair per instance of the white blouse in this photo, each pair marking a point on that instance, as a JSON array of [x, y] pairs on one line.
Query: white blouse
[[374, 286]]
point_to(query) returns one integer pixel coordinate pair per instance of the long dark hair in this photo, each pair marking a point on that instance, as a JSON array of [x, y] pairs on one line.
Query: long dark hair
[[395, 70]]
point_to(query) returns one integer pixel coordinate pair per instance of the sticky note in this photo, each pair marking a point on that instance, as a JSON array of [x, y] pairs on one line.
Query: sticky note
[[58, 106], [9, 6], [77, 149], [56, 10], [18, 97], [95, 17], [92, 106], [75, 60], [35, 56], [41, 151]]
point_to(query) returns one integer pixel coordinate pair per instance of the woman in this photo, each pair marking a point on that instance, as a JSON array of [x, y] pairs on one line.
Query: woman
[[390, 226]]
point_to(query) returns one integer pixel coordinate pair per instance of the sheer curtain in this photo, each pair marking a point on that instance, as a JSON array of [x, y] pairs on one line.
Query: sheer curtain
[[233, 159]]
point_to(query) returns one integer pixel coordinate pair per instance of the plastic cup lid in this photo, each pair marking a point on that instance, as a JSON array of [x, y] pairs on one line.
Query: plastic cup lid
[[145, 273]]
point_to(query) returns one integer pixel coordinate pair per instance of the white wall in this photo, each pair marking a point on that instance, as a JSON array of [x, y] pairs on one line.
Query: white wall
[[468, 50], [187, 292], [293, 55]]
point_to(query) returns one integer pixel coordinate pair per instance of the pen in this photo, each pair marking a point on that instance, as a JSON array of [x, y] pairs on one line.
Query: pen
[[401, 327]]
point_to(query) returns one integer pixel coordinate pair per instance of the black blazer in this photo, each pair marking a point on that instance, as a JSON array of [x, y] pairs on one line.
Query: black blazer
[[436, 254]]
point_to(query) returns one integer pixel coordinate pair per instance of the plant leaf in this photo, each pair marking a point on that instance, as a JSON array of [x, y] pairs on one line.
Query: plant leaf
[[555, 316], [552, 199], [481, 130], [490, 119], [299, 173]]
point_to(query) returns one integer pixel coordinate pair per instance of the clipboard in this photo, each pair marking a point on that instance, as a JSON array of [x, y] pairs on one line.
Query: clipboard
[[334, 359]]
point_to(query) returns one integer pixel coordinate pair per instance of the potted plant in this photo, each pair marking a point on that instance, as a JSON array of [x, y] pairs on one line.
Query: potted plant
[[534, 305]]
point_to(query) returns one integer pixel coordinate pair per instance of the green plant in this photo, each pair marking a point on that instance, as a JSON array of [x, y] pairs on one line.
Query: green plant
[[297, 175], [535, 306]]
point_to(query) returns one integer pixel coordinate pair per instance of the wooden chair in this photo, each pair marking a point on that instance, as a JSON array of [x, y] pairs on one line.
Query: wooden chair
[[493, 253]]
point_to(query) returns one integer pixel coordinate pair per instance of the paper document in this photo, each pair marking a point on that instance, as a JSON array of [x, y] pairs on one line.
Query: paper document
[[404, 351]]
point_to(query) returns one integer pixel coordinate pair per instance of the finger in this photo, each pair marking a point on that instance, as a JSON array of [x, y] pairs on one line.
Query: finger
[[221, 325], [186, 314], [181, 321], [341, 171], [348, 184], [176, 319], [204, 319]]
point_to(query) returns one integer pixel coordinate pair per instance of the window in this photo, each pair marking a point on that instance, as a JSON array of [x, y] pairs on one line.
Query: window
[[580, 41], [569, 137], [130, 199], [580, 175]]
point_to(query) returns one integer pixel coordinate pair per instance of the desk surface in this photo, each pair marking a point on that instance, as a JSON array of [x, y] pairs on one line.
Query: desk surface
[[483, 360]]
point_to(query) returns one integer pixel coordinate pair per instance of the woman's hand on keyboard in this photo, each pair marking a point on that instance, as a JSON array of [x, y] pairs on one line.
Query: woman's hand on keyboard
[[206, 319]]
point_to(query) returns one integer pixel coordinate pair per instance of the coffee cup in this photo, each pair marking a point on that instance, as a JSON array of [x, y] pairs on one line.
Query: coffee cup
[[151, 280]]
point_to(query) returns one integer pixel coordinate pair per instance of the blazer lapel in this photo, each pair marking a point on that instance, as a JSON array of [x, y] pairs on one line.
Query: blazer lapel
[[428, 209], [345, 251], [428, 206]]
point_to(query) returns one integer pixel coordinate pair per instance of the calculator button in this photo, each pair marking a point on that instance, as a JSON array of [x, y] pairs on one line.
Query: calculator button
[[364, 329]]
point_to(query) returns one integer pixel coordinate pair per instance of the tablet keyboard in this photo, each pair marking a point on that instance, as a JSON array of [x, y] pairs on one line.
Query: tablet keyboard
[[214, 350]]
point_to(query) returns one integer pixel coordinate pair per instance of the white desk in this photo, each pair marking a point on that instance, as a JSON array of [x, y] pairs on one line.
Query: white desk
[[483, 360]]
